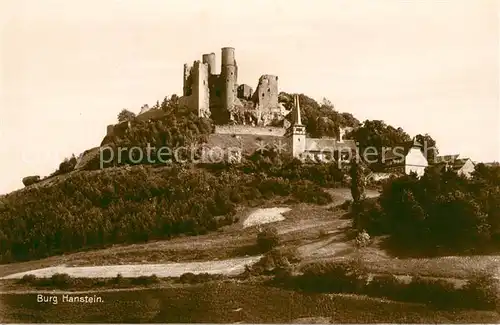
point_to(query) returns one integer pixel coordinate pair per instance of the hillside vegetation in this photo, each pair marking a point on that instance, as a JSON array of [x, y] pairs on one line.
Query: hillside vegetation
[[95, 207], [92, 209], [440, 212]]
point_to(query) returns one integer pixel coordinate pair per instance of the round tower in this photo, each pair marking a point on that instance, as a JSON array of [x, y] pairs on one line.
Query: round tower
[[228, 77], [227, 57], [210, 60]]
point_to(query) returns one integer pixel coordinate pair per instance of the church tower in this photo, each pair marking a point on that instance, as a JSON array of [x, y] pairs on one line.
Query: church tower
[[298, 131]]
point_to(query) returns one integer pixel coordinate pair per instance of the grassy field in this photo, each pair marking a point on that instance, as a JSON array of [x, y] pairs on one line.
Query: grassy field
[[227, 302]]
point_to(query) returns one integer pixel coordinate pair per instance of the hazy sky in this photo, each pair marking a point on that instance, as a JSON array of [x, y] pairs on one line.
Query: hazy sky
[[68, 67]]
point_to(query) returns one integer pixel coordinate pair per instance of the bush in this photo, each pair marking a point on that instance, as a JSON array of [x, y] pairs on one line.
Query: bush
[[267, 239], [278, 260], [436, 292], [481, 292], [118, 279], [67, 165], [61, 280], [30, 180], [191, 278], [369, 215], [339, 277], [28, 279], [145, 280], [385, 286], [362, 239]]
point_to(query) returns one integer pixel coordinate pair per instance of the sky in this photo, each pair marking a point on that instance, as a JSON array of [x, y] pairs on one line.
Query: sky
[[68, 67]]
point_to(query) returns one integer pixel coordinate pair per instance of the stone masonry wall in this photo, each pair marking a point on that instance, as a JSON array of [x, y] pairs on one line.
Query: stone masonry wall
[[246, 129]]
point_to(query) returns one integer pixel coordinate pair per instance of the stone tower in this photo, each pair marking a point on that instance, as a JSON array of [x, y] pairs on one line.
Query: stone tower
[[210, 60], [228, 77], [298, 131]]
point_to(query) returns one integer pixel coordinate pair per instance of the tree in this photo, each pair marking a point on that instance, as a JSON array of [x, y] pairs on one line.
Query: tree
[[125, 115], [377, 135], [357, 181], [320, 120], [429, 148], [326, 103], [67, 165]]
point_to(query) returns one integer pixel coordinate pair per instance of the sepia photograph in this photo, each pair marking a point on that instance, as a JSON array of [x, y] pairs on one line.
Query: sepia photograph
[[250, 162]]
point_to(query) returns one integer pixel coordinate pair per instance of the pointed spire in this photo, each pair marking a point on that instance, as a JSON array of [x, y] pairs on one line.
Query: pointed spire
[[297, 119]]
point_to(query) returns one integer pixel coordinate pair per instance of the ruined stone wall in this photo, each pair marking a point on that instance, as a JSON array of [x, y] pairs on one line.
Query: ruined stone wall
[[220, 97], [201, 99], [210, 60], [196, 88], [266, 99], [245, 91], [247, 129], [110, 130]]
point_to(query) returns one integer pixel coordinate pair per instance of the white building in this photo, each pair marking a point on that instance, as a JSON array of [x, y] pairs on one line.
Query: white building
[[405, 159], [462, 166]]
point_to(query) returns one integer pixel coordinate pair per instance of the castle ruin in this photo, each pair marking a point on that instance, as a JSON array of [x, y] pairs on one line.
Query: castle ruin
[[220, 97]]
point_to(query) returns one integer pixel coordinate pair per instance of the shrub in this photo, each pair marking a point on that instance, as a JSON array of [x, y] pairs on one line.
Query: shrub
[[30, 180], [362, 239], [481, 292], [339, 277], [267, 239], [309, 192], [118, 279], [385, 286], [67, 165], [369, 215], [145, 280], [28, 279], [435, 292], [61, 280], [275, 261], [191, 278]]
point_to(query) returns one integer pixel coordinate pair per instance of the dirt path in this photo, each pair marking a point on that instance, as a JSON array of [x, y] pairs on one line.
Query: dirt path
[[263, 216], [227, 267]]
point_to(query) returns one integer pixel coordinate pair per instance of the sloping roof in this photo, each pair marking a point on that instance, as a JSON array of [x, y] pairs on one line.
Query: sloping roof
[[446, 158], [456, 165], [459, 163], [396, 151], [325, 144]]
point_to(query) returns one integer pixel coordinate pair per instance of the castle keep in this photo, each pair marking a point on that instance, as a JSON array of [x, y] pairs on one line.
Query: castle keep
[[220, 97]]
